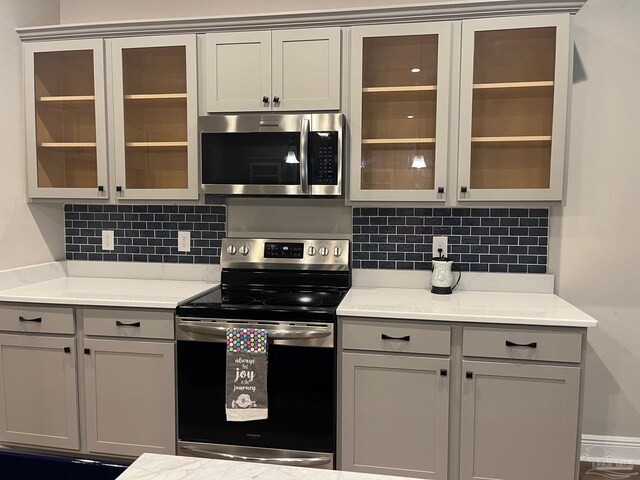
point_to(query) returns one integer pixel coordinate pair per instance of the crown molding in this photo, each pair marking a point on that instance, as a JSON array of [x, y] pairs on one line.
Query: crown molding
[[440, 11]]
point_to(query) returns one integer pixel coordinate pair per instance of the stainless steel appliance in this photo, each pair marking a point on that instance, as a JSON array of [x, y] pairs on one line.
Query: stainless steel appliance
[[292, 288], [272, 154]]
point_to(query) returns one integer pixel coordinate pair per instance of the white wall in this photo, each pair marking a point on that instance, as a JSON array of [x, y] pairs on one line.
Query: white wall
[[81, 11], [29, 234], [596, 237]]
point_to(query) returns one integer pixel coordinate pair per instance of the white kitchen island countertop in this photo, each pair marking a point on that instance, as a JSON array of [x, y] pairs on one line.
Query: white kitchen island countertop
[[151, 466], [107, 292], [540, 309]]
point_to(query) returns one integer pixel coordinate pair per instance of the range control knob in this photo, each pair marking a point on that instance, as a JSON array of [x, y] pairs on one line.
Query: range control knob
[[311, 251], [244, 250], [231, 249], [337, 251], [324, 251]]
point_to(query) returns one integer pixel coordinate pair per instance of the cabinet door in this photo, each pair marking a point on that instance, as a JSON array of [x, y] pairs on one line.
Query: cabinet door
[[395, 414], [519, 421], [514, 82], [399, 111], [155, 117], [306, 69], [130, 397], [65, 113], [38, 391], [238, 71]]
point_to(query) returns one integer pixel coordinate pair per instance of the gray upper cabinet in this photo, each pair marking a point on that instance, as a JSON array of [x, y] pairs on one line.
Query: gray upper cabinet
[[395, 415], [519, 421], [399, 115], [262, 71], [515, 76]]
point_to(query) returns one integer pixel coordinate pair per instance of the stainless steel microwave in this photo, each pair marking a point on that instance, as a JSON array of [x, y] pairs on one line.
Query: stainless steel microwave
[[272, 154]]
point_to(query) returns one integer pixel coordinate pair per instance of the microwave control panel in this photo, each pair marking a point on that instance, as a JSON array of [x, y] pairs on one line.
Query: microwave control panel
[[323, 155]]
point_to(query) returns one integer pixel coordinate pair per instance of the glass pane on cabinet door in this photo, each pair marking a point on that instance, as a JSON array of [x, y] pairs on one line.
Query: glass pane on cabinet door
[[512, 119], [399, 112], [155, 117], [65, 119]]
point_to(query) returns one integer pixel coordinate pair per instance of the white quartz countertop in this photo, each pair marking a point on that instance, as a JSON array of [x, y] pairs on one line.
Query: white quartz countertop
[[542, 309], [108, 292], [151, 466]]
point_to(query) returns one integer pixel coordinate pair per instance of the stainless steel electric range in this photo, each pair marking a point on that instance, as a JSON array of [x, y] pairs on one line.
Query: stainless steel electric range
[[292, 288]]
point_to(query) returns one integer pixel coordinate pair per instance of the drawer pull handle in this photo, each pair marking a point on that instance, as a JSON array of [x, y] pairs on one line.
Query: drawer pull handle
[[35, 320], [67, 349], [406, 338], [526, 345], [121, 324]]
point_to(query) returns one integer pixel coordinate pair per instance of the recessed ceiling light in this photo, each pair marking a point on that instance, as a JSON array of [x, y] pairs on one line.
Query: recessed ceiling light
[[415, 70], [409, 116]]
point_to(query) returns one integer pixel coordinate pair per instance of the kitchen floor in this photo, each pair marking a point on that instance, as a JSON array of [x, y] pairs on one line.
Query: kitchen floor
[[586, 466]]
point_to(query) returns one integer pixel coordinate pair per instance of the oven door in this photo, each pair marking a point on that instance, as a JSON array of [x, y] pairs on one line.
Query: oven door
[[301, 387], [254, 154]]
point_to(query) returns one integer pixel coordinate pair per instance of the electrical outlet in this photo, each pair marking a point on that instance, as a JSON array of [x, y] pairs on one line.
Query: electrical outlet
[[184, 241], [108, 242], [440, 243]]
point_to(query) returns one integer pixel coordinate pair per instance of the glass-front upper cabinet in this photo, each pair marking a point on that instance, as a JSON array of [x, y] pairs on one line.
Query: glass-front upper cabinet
[[399, 112], [155, 117], [65, 105], [513, 101]]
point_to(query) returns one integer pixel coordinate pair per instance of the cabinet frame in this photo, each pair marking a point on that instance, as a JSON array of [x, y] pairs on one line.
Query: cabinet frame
[[68, 369], [443, 86], [350, 361], [562, 79], [115, 47], [29, 50]]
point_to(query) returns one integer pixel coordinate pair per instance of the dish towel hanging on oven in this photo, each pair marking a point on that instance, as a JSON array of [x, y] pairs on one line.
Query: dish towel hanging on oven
[[246, 374]]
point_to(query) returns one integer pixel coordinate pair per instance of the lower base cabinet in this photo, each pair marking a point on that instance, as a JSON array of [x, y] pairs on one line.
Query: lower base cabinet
[[511, 411], [395, 415], [38, 391], [519, 421], [130, 396]]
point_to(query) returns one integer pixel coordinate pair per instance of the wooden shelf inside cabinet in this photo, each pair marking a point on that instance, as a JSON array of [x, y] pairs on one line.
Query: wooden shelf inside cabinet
[[68, 98], [156, 144], [521, 139], [155, 96], [392, 141], [416, 88], [493, 86], [67, 144]]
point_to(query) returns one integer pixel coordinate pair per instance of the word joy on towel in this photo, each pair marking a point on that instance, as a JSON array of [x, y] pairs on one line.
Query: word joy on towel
[[246, 375]]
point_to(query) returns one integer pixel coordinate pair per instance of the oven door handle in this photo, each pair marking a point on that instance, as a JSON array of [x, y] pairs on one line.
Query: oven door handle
[[301, 461], [221, 331]]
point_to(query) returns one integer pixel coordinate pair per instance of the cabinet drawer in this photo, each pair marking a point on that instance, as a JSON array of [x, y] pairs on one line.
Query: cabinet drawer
[[396, 337], [128, 323], [524, 344], [36, 319]]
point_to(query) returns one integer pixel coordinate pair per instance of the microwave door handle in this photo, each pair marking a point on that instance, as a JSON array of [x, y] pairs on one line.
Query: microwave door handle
[[304, 160]]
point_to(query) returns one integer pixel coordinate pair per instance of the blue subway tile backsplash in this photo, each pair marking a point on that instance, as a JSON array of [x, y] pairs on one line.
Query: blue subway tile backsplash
[[145, 233], [480, 239]]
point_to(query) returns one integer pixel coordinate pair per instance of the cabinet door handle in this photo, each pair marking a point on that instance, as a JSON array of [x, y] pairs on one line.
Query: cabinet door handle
[[469, 375], [463, 189], [443, 372], [35, 320], [276, 99], [440, 189], [121, 324], [509, 343], [265, 99], [67, 349], [406, 338], [101, 188], [87, 351]]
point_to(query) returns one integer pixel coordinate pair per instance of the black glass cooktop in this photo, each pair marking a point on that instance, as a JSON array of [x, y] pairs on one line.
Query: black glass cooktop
[[265, 303]]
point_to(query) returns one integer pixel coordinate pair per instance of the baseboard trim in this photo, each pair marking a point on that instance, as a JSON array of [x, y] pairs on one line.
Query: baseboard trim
[[596, 448]]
